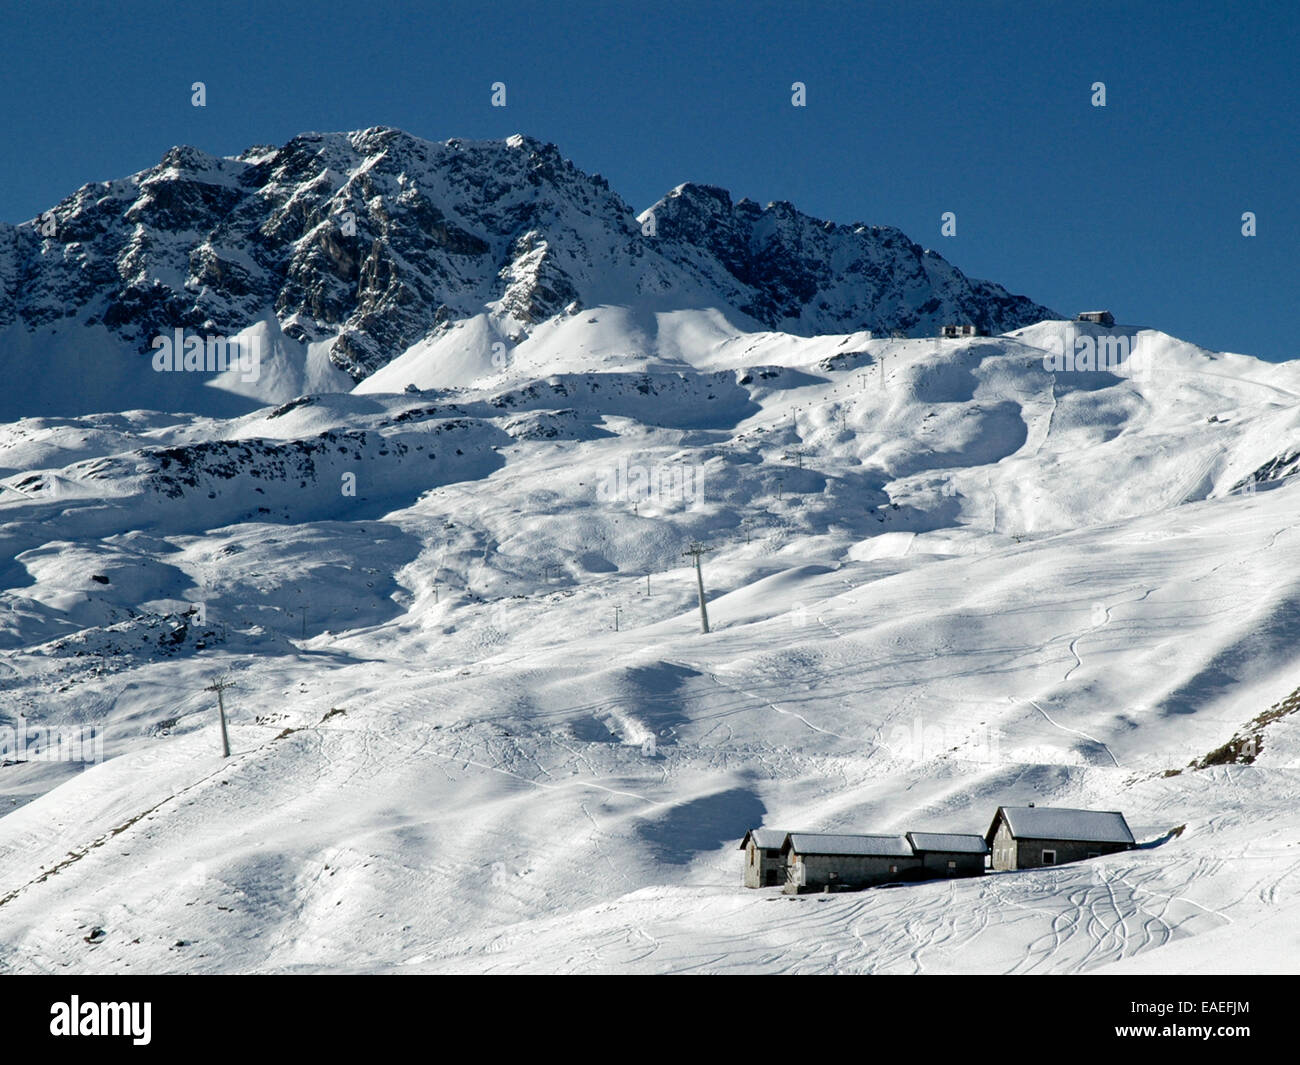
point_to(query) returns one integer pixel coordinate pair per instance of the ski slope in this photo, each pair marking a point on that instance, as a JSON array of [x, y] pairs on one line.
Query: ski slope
[[941, 577]]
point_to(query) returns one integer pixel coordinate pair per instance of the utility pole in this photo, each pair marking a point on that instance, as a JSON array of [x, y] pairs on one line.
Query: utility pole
[[696, 550], [219, 686], [617, 611], [882, 373], [647, 582]]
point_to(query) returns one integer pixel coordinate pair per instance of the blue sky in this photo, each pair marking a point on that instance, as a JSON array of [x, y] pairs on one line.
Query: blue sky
[[914, 109]]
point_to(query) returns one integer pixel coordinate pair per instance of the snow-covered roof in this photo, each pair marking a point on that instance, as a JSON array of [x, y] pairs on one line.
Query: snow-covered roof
[[951, 842], [765, 838], [829, 843], [1087, 826]]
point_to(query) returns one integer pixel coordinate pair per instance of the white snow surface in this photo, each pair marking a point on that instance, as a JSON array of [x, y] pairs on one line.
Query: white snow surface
[[964, 582]]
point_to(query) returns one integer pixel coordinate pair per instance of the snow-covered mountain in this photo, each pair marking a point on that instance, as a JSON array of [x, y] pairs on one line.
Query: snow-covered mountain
[[475, 725], [437, 548], [340, 252]]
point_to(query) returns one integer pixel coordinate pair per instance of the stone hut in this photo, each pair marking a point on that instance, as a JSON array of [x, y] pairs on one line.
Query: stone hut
[[764, 863], [945, 854], [1030, 837], [820, 861]]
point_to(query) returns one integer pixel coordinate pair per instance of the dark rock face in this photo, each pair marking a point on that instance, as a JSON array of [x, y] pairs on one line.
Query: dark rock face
[[374, 240], [803, 275]]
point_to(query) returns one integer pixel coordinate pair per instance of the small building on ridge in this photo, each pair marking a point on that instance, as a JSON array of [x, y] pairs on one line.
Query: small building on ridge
[[1096, 317]]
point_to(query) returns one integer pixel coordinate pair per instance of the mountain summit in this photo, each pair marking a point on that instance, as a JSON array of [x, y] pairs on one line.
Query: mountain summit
[[346, 249]]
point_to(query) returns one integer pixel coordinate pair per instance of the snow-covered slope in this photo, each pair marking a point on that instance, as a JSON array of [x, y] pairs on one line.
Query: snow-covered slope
[[943, 576], [339, 252]]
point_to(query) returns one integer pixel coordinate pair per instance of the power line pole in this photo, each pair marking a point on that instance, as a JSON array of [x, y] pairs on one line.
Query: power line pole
[[617, 611], [882, 373], [219, 686], [696, 550]]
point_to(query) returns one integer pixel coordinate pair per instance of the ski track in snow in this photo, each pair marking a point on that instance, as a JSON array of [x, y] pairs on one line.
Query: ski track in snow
[[1075, 731]]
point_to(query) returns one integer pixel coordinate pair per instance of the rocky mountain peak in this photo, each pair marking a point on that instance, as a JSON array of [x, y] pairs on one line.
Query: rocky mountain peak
[[373, 240]]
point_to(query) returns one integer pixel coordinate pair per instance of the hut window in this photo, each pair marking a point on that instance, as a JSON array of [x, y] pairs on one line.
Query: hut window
[[952, 864], [893, 868], [1049, 857]]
